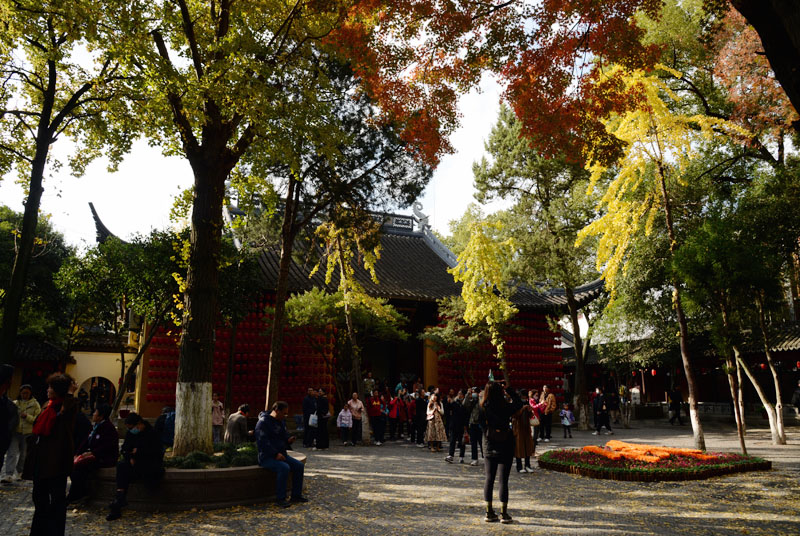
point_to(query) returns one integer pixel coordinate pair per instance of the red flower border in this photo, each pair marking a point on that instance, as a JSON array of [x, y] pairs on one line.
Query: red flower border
[[674, 468]]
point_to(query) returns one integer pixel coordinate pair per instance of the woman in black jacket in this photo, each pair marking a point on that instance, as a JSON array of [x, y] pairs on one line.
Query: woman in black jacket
[[49, 460], [498, 444]]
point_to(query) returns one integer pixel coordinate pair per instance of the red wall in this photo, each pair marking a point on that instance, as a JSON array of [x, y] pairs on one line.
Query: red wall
[[307, 361], [533, 355]]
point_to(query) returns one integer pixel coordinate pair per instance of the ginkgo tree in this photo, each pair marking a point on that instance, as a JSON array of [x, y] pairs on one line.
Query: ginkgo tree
[[350, 239], [221, 83], [54, 86], [482, 270], [659, 146]]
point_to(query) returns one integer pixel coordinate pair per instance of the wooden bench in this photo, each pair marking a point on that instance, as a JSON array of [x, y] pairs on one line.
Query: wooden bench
[[184, 489]]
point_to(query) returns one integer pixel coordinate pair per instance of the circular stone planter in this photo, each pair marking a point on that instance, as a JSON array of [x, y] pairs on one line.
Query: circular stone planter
[[185, 489], [655, 474]]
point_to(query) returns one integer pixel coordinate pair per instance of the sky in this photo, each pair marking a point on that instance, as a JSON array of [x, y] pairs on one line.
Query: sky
[[139, 196]]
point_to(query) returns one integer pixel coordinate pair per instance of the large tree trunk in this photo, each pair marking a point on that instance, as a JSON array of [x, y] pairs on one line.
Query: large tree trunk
[[771, 363], [288, 234], [22, 260], [193, 390], [580, 398], [778, 25], [694, 415]]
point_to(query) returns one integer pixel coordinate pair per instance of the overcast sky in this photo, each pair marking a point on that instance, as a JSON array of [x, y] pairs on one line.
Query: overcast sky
[[139, 196]]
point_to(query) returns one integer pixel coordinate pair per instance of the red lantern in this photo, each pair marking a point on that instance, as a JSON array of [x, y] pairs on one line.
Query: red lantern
[[798, 364], [763, 366], [653, 372], [633, 373]]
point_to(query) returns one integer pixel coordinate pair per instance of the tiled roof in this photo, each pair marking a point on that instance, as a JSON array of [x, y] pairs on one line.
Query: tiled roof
[[785, 339], [408, 269], [412, 267], [29, 348]]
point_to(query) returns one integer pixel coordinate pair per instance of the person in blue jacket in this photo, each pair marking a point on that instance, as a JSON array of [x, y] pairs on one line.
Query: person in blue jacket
[[273, 441]]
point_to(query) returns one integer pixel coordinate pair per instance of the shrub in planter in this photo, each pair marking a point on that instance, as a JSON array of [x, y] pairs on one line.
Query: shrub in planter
[[226, 456]]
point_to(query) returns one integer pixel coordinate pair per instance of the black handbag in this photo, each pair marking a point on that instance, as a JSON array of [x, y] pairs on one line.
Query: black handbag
[[499, 435]]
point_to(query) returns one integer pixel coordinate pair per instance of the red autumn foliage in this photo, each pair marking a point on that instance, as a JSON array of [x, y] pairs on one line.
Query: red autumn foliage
[[415, 56], [759, 102]]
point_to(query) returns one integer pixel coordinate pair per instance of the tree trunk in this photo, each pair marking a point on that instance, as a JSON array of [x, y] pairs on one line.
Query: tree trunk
[[793, 286], [24, 253], [580, 398], [771, 363], [778, 25], [737, 414], [733, 383], [127, 380], [740, 383], [697, 427], [500, 346], [768, 407], [193, 390], [288, 233], [348, 317], [229, 373]]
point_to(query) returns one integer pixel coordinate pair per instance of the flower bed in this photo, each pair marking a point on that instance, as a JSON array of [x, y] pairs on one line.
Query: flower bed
[[647, 463]]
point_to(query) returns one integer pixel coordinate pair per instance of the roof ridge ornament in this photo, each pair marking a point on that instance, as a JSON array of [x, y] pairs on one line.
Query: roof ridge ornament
[[422, 219]]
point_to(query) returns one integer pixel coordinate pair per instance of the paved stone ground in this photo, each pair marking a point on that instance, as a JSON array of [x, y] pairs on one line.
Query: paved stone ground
[[400, 489]]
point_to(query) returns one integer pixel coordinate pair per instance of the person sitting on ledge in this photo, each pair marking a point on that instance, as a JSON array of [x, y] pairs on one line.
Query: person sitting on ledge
[[142, 459], [273, 441], [100, 448]]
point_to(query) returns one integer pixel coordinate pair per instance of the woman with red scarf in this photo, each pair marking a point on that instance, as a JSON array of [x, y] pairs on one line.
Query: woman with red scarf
[[49, 461]]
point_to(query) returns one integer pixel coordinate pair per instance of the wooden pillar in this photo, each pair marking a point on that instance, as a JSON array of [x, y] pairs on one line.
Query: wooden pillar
[[430, 363]]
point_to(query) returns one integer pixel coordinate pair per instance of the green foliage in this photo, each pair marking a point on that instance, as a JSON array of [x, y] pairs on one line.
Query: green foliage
[[550, 206], [43, 306], [453, 335], [351, 240], [237, 280], [319, 309], [458, 238], [115, 277], [56, 83], [741, 251]]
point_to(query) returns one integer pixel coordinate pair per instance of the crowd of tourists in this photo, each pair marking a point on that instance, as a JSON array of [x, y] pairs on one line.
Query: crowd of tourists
[[51, 443], [55, 442], [429, 418]]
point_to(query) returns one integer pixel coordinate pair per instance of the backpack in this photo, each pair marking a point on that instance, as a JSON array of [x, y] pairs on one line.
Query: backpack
[[168, 433]]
